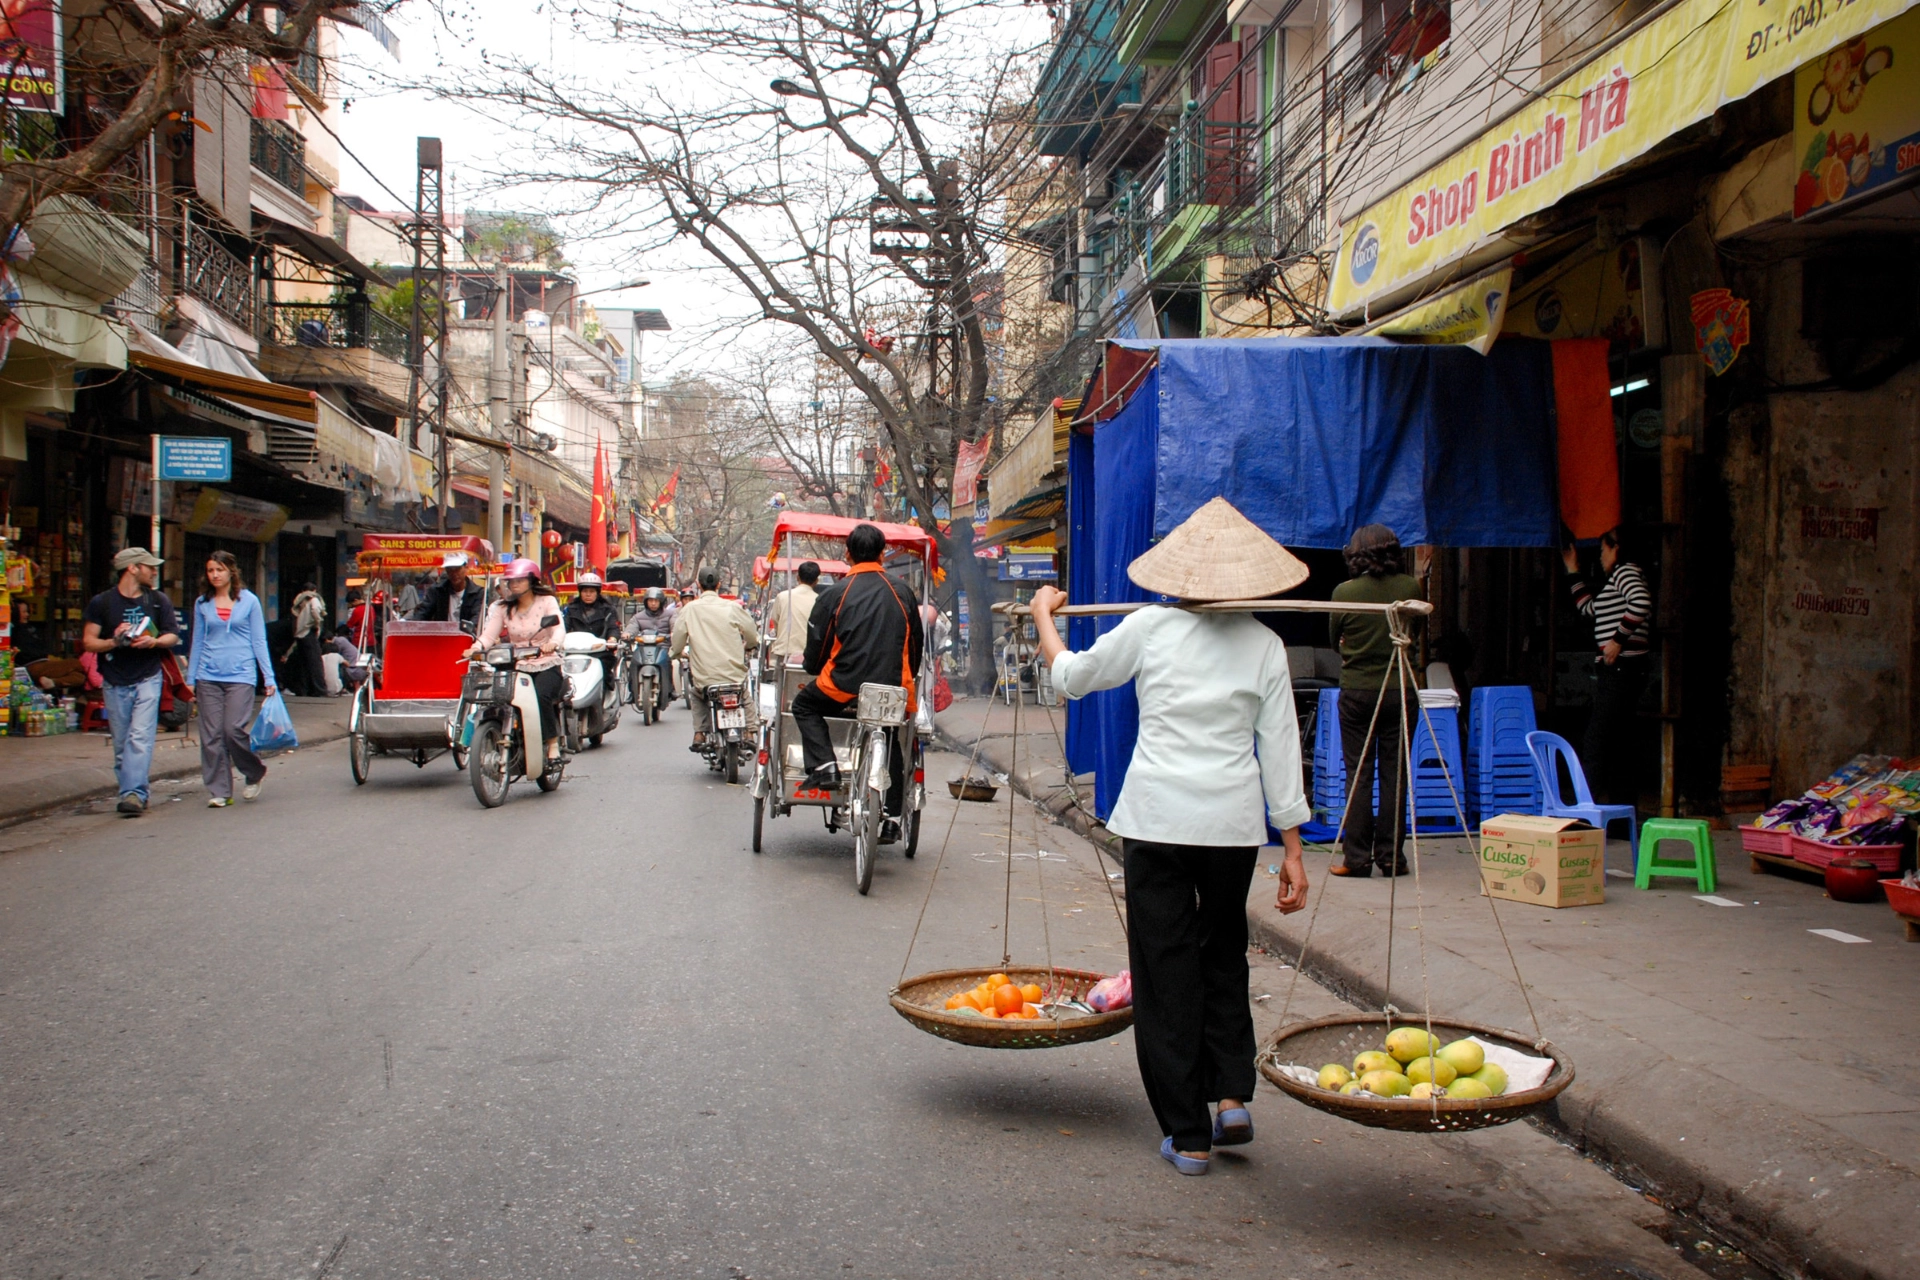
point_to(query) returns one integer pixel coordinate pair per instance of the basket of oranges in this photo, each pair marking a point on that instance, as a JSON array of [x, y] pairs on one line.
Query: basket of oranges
[[1012, 1008]]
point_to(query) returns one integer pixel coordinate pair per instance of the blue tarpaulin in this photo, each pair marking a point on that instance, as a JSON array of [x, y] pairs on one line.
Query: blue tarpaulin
[[1310, 438]]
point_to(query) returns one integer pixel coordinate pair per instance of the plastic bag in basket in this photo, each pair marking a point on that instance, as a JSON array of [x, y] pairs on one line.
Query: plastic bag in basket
[[1112, 993]]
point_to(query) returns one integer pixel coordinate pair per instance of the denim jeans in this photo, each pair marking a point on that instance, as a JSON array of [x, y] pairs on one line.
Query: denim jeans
[[133, 714]]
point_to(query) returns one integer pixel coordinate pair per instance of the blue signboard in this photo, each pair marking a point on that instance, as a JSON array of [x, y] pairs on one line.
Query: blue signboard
[[197, 458], [1027, 568]]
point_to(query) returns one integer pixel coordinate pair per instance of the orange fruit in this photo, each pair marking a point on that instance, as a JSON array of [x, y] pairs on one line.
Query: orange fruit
[[989, 1012], [1007, 1000], [998, 980], [954, 1002], [1029, 1010], [1031, 993]]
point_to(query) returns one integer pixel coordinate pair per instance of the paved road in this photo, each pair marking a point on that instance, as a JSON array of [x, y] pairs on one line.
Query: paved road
[[379, 1032]]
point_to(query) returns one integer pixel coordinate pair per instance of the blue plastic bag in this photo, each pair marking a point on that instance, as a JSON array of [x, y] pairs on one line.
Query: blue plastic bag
[[273, 727]]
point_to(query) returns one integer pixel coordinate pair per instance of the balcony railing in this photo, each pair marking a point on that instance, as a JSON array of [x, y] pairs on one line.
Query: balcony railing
[[281, 154], [347, 323], [219, 279]]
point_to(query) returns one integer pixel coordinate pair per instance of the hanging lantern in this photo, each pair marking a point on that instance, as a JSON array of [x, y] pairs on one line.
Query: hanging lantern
[[551, 539]]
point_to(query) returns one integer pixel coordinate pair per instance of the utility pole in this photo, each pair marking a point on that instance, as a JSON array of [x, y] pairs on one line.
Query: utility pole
[[429, 332], [499, 416]]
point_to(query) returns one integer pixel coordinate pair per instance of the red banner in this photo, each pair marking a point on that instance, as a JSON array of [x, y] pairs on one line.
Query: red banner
[[966, 471], [415, 552], [30, 54], [602, 513]]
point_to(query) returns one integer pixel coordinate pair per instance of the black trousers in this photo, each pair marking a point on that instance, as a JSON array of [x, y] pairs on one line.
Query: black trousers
[[1187, 945], [1371, 842], [1607, 754], [811, 707], [550, 686], [308, 674]]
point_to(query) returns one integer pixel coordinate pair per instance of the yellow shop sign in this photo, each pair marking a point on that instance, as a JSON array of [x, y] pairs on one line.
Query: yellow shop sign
[[1676, 70]]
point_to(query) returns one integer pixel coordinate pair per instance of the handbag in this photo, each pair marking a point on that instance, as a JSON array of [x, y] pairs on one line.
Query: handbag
[[273, 727]]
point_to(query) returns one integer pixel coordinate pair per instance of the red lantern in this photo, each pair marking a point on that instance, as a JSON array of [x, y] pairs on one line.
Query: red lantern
[[551, 539]]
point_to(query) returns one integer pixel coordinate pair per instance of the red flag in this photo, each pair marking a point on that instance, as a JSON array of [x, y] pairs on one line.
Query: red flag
[[269, 92], [666, 494], [597, 533]]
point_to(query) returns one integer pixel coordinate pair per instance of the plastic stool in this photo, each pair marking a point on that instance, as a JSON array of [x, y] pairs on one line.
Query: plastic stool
[[1698, 868]]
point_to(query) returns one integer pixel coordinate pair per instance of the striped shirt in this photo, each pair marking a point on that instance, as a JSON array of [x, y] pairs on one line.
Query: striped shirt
[[1620, 610]]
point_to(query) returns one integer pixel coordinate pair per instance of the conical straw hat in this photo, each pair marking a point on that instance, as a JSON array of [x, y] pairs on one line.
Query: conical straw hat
[[1217, 554]]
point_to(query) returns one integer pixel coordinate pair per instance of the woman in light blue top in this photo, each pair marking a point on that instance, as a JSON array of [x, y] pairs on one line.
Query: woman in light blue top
[[229, 658]]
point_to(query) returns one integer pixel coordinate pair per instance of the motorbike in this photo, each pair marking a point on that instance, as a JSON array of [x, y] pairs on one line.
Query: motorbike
[[501, 730], [643, 675], [726, 741], [596, 700]]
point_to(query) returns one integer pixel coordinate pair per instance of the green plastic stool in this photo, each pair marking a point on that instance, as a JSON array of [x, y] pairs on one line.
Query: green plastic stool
[[1698, 868]]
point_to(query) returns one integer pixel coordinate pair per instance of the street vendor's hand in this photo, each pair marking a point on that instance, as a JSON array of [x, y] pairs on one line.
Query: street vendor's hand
[[1570, 558], [1293, 885], [1610, 652], [1046, 600]]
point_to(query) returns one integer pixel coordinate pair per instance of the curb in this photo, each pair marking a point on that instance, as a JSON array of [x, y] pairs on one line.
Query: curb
[[1787, 1242], [45, 806]]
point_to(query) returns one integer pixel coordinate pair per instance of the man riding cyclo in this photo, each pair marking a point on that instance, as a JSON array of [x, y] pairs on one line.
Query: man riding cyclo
[[655, 616], [864, 629], [457, 597], [715, 635], [592, 612]]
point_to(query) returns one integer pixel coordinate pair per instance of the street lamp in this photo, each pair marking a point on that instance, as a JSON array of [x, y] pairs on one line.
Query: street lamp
[[613, 288], [788, 89]]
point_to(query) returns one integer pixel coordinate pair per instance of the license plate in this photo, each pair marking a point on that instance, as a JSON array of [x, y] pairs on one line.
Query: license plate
[[734, 719]]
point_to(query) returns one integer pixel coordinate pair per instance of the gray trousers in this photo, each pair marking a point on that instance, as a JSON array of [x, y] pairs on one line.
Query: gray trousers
[[226, 714]]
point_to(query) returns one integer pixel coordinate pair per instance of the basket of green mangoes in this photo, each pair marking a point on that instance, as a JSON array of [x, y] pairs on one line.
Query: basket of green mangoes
[[1433, 1075]]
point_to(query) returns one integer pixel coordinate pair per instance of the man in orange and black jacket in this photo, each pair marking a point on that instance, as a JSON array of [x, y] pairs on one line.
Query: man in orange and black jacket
[[865, 628]]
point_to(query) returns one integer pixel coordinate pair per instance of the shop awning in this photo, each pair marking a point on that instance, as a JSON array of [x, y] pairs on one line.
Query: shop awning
[[1024, 532], [1032, 461], [1670, 70], [314, 248], [270, 397]]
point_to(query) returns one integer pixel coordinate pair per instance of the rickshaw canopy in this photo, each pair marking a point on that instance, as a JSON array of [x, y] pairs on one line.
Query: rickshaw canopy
[[910, 538]]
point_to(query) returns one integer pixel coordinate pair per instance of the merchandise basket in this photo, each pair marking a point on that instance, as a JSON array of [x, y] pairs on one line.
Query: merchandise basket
[[920, 1001], [1340, 1038]]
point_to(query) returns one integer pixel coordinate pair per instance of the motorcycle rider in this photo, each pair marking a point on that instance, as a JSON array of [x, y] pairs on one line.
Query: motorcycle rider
[[715, 635], [592, 612], [864, 628], [457, 597], [656, 615], [517, 620]]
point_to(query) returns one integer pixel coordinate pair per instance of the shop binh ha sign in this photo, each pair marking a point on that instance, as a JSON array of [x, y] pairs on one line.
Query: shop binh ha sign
[[1670, 73], [30, 55]]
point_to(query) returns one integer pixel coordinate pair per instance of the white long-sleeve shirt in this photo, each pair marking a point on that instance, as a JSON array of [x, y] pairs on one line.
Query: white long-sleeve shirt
[[1213, 690]]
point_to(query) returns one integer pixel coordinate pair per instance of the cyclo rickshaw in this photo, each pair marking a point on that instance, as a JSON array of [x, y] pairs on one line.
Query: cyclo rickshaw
[[410, 705], [860, 742]]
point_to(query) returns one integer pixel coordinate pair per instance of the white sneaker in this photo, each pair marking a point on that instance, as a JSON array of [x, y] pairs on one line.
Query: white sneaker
[[219, 803], [252, 790]]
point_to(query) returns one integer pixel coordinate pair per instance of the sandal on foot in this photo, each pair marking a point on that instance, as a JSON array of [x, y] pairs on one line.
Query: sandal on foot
[[1187, 1165], [1232, 1128]]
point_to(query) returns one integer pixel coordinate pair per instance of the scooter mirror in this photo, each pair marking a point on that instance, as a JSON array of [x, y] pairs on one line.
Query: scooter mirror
[[551, 620]]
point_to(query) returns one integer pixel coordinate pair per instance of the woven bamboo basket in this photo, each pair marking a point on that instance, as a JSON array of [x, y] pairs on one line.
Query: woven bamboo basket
[[921, 1001], [1340, 1038]]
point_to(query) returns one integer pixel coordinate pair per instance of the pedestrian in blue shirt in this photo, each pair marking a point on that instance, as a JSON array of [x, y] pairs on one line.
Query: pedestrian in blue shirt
[[129, 628], [229, 658]]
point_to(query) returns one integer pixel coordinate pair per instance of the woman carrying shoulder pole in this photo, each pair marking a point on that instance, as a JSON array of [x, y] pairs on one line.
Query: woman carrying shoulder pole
[[521, 620], [1216, 759], [229, 658]]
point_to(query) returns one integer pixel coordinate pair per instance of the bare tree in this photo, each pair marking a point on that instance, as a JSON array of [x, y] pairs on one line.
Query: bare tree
[[838, 162], [818, 429], [715, 442], [128, 65]]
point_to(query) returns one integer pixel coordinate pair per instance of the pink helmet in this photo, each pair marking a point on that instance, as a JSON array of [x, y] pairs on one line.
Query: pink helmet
[[522, 568]]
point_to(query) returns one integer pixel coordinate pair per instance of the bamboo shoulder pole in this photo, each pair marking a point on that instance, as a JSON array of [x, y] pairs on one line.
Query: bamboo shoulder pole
[[1418, 608]]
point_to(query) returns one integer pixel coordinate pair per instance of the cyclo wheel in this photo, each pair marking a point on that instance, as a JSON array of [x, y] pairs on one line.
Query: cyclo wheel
[[487, 764], [359, 757], [867, 801], [912, 821], [759, 818]]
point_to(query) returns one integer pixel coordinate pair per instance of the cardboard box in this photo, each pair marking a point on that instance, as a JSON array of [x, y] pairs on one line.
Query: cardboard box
[[1549, 862]]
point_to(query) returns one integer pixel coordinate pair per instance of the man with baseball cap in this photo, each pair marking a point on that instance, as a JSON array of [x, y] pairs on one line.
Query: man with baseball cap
[[456, 597], [131, 626]]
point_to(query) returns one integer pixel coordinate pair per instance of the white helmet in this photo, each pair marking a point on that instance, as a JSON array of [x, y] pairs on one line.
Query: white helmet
[[588, 579]]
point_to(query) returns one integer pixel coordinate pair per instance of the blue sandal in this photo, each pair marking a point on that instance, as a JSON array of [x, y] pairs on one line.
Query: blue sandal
[[1232, 1128], [1187, 1165]]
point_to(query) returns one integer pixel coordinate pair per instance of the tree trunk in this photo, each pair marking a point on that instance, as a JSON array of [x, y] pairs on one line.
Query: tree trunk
[[957, 551]]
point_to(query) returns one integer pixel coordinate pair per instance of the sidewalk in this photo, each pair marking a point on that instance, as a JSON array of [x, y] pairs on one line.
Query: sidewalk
[[1742, 1068], [41, 774]]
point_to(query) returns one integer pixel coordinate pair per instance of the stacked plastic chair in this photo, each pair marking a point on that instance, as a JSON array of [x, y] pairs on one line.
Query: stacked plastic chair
[[1439, 793], [1501, 777], [1329, 761]]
